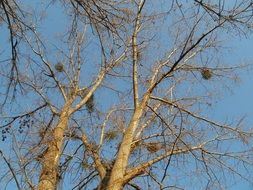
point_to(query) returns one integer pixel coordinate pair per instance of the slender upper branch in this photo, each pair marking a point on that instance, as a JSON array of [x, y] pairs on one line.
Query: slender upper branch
[[137, 27], [47, 64], [99, 166], [131, 173], [195, 115], [181, 57], [99, 80]]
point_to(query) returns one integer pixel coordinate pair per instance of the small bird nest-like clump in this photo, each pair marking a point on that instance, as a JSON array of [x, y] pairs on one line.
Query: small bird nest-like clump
[[206, 73], [83, 92], [85, 164], [111, 135], [90, 104], [153, 147], [135, 145], [59, 67]]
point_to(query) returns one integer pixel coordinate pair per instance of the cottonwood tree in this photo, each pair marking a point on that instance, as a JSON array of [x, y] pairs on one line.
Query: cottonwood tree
[[115, 95]]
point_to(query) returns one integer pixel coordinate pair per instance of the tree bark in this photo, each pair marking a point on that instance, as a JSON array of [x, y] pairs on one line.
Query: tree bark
[[116, 181], [49, 176]]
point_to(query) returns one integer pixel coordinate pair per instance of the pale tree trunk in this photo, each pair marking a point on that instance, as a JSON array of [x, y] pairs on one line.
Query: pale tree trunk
[[116, 181], [49, 174]]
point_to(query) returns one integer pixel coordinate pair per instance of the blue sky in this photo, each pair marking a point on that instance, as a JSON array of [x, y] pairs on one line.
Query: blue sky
[[239, 102]]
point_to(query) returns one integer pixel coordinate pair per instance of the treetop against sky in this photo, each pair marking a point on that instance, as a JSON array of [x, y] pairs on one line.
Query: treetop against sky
[[116, 94]]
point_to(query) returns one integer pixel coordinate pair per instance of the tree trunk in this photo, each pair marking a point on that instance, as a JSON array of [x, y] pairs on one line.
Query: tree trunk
[[116, 181], [49, 176]]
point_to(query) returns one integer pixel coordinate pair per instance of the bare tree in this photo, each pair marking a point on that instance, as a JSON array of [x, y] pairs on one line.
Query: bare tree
[[115, 96]]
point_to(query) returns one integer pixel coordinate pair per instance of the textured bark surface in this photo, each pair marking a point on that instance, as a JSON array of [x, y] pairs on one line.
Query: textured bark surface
[[49, 174], [116, 181]]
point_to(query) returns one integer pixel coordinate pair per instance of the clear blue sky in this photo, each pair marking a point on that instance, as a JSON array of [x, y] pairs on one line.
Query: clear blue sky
[[239, 101]]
